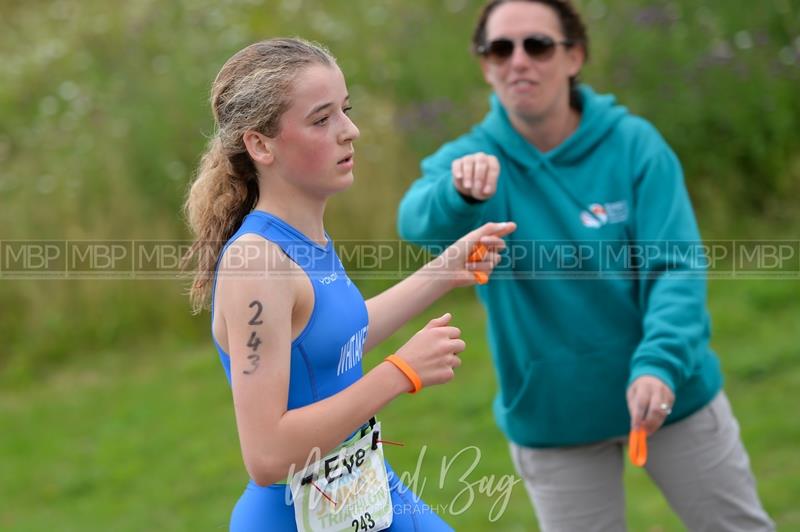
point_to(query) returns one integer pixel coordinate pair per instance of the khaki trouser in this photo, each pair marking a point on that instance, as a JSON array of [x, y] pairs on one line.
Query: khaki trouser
[[699, 463]]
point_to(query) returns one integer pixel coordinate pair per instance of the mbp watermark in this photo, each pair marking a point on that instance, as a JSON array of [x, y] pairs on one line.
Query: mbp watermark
[[395, 259], [32, 259]]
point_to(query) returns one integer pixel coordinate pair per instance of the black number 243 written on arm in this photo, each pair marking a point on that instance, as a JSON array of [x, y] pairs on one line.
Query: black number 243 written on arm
[[254, 340]]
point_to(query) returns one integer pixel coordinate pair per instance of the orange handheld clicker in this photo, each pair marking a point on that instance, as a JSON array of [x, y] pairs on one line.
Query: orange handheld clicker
[[637, 447], [477, 255]]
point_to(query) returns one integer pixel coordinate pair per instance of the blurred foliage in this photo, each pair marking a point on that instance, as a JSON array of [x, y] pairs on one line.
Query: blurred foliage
[[116, 443], [104, 115]]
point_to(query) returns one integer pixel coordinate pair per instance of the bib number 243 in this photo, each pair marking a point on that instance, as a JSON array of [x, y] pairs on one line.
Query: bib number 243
[[363, 524]]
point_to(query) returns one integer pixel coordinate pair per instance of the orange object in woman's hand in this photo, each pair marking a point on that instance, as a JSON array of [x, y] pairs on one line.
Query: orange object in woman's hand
[[637, 447], [477, 255]]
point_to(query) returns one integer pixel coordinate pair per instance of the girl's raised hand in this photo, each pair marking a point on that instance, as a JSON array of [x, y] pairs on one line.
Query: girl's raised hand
[[472, 258]]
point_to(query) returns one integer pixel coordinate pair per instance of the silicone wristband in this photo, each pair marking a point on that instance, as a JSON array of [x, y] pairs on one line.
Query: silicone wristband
[[407, 370]]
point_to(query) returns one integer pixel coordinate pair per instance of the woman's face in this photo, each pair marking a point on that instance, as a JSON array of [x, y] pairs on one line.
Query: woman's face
[[314, 146], [530, 88]]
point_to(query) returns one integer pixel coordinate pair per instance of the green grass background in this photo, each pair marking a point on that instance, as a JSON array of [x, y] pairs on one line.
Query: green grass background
[[114, 412], [144, 439]]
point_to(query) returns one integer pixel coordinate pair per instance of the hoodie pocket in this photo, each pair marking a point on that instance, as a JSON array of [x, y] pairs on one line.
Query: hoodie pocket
[[570, 398]]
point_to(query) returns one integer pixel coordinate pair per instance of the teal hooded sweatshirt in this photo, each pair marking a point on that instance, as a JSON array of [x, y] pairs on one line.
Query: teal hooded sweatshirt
[[602, 282]]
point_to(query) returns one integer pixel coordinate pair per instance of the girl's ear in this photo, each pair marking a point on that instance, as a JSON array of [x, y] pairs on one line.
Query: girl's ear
[[259, 147]]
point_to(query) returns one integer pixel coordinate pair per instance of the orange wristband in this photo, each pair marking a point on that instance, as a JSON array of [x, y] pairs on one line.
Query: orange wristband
[[407, 370], [477, 255], [637, 447]]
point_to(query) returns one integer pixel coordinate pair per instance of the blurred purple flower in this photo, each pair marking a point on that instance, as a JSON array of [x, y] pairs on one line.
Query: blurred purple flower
[[721, 51], [423, 115], [655, 16], [741, 69]]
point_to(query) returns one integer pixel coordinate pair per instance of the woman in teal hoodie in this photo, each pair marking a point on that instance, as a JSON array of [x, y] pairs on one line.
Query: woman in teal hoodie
[[597, 320]]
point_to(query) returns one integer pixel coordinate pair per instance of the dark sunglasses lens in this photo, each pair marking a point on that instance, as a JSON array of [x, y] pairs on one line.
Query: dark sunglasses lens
[[500, 48], [539, 47]]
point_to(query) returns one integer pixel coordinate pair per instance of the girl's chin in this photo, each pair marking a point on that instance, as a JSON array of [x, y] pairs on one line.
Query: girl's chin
[[342, 183], [347, 183]]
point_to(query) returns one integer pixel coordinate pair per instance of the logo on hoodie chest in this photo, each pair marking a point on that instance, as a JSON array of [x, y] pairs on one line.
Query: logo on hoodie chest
[[600, 214]]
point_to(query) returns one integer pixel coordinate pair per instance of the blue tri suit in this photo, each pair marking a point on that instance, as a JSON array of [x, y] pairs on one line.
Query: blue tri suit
[[325, 359]]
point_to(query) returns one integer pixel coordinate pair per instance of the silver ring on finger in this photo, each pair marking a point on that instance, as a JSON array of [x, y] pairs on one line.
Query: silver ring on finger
[[664, 407]]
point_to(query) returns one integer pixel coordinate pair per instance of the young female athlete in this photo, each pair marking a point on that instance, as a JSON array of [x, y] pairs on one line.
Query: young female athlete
[[289, 325]]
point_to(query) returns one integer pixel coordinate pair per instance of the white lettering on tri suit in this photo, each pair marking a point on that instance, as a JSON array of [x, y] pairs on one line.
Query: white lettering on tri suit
[[351, 352]]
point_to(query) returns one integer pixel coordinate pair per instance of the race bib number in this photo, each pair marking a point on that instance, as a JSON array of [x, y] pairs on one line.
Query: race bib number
[[346, 490]]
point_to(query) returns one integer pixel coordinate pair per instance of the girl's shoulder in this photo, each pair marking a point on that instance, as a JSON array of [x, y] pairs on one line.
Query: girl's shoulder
[[253, 262]]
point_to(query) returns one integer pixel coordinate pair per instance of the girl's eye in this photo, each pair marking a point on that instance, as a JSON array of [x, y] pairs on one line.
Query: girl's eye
[[347, 109], [322, 121]]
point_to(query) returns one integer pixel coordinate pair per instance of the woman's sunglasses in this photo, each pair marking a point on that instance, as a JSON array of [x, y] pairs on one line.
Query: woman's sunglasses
[[538, 47]]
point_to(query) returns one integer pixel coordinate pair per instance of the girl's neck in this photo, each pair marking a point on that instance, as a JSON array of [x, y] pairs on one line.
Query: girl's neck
[[302, 213]]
